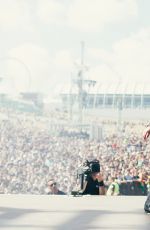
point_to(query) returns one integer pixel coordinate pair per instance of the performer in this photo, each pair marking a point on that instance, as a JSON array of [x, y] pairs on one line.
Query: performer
[[146, 135], [146, 132]]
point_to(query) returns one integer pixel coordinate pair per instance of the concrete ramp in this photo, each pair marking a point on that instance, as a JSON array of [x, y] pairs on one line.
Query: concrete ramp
[[30, 212]]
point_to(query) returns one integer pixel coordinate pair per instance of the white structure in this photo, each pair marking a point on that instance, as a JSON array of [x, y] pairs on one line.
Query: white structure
[[110, 95]]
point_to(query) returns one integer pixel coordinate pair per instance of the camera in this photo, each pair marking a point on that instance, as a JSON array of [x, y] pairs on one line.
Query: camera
[[84, 172], [89, 167]]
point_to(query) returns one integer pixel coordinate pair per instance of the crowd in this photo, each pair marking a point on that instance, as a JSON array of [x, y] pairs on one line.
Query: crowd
[[31, 155]]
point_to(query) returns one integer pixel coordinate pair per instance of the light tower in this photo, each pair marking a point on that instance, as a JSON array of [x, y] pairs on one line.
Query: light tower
[[81, 83], [80, 86]]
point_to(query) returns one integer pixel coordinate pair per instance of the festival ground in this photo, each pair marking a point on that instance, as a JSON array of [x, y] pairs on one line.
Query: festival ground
[[30, 212]]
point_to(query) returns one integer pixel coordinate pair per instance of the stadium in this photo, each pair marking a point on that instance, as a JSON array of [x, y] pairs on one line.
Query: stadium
[[102, 95], [105, 100]]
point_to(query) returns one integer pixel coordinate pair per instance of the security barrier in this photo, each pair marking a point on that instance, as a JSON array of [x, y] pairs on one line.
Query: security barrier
[[133, 188]]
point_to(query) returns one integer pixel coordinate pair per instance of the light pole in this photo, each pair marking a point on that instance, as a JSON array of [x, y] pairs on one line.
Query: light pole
[[119, 102], [80, 85]]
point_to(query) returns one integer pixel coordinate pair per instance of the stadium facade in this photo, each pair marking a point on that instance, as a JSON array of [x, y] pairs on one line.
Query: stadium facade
[[110, 95]]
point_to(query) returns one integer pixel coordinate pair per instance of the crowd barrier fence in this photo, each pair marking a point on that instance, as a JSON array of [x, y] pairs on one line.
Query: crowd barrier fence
[[133, 188]]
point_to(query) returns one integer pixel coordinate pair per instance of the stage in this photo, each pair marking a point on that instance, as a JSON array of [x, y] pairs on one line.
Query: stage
[[30, 212]]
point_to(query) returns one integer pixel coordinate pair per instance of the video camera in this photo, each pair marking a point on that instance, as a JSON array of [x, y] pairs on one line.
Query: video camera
[[84, 172], [89, 167]]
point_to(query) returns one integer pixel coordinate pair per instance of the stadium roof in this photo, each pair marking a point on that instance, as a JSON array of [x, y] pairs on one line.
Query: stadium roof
[[108, 88]]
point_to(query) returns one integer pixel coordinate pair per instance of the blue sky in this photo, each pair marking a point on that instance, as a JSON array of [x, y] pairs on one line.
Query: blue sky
[[41, 42]]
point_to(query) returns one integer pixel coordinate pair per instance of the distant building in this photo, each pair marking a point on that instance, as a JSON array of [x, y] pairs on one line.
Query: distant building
[[110, 95]]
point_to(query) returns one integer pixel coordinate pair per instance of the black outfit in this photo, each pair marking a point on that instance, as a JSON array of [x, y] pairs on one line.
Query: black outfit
[[147, 204], [92, 187]]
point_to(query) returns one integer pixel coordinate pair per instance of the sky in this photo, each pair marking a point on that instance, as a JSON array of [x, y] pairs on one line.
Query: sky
[[40, 48]]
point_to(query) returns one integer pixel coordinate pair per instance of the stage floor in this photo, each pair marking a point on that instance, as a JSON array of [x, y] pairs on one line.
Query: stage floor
[[30, 212]]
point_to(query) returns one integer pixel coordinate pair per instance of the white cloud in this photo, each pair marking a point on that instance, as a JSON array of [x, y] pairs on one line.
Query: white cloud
[[29, 67], [132, 57], [103, 73], [50, 11], [86, 15], [13, 13], [99, 54], [129, 59], [63, 59], [94, 14], [62, 64]]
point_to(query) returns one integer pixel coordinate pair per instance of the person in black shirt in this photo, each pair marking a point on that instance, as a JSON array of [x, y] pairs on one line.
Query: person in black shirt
[[94, 185]]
